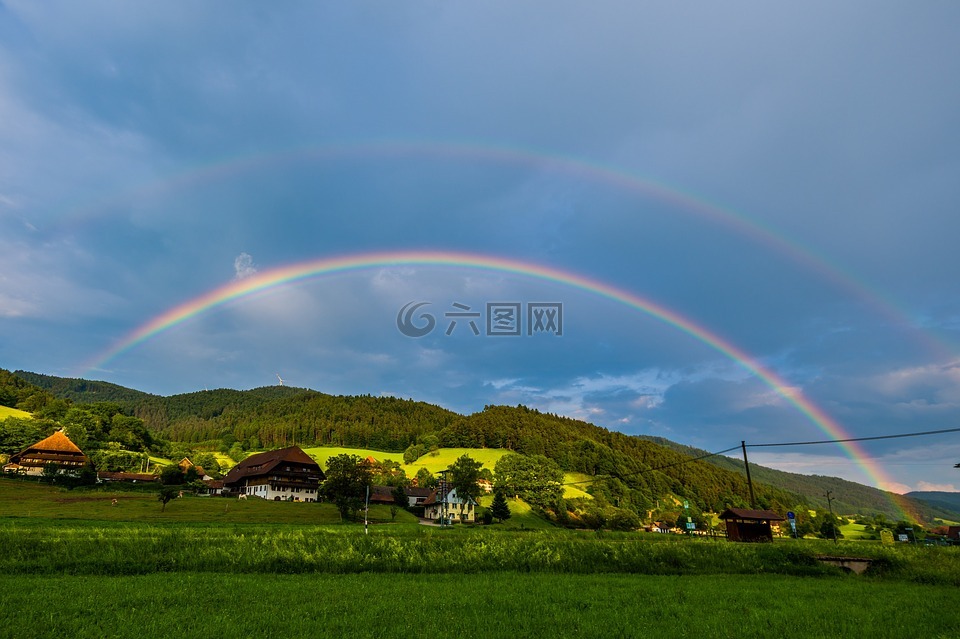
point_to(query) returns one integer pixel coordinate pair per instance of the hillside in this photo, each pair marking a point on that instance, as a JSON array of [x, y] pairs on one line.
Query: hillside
[[939, 499], [848, 497], [625, 467]]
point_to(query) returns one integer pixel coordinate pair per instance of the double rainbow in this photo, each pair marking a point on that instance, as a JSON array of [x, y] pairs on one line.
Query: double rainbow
[[291, 274]]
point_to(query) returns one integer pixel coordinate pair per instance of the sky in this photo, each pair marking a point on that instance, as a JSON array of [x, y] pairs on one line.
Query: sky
[[744, 213]]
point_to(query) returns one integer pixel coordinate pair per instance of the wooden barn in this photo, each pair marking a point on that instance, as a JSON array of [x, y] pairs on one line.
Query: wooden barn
[[749, 525], [56, 449]]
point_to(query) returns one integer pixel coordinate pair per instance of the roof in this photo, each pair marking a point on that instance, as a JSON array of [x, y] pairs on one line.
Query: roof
[[382, 494], [122, 476], [56, 447], [264, 463], [745, 513], [450, 497], [414, 491], [57, 442]]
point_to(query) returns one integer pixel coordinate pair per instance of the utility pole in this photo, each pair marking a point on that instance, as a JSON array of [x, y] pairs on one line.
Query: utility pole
[[366, 510], [746, 464], [833, 520], [442, 492]]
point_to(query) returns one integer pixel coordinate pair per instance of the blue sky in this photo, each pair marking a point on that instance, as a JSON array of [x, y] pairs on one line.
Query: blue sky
[[784, 176]]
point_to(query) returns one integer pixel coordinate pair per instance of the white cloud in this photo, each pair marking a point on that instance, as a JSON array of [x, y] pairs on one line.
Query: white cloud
[[243, 266], [947, 488]]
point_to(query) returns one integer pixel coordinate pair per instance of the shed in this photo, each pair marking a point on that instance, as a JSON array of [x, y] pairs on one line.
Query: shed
[[749, 525]]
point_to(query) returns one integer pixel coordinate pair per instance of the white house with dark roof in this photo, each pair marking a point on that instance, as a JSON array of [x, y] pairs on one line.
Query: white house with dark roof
[[448, 505], [287, 474]]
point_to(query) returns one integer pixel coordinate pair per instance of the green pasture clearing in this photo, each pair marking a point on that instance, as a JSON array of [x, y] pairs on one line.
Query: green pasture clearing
[[444, 457], [28, 498], [6, 411], [322, 453], [521, 515], [851, 531], [507, 605], [576, 484]]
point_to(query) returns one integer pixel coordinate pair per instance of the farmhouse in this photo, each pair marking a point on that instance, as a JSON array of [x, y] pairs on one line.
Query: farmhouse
[[287, 474], [449, 506], [56, 449], [749, 525], [417, 496], [106, 476]]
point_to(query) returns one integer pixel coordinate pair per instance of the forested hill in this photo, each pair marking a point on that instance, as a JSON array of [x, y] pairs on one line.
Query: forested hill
[[83, 391], [634, 470], [848, 496]]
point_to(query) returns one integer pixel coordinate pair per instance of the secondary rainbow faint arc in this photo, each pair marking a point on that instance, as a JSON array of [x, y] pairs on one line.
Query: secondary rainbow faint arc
[[326, 266], [588, 169]]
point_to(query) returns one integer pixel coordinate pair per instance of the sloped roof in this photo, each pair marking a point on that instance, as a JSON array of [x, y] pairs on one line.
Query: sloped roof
[[264, 463], [56, 442], [56, 447], [744, 513], [450, 497]]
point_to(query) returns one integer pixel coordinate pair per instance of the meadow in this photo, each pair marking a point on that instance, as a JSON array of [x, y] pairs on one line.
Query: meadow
[[257, 568], [6, 411]]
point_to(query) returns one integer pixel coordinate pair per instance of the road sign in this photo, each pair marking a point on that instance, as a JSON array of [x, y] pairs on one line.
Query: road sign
[[686, 504], [691, 525], [790, 515]]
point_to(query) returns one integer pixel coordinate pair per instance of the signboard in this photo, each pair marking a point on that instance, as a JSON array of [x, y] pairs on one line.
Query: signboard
[[886, 537], [691, 525], [793, 526], [686, 504], [902, 537], [689, 519], [790, 515]]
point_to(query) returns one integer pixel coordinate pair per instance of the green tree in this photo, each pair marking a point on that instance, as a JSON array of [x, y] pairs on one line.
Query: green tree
[[166, 494], [536, 479], [426, 479], [347, 479], [50, 471], [400, 497], [172, 476], [830, 527], [499, 508], [464, 478]]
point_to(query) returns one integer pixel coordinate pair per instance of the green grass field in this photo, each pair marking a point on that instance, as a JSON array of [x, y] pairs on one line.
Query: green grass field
[[6, 411], [498, 605], [75, 565], [32, 499]]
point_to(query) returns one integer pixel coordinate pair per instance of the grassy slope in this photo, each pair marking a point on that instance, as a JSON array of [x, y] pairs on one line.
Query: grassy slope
[[6, 411]]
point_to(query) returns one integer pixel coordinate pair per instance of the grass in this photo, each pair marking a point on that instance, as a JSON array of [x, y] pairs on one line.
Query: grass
[[28, 498], [6, 411], [255, 568], [498, 605]]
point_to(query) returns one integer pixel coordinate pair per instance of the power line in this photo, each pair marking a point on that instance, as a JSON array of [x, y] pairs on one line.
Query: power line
[[857, 439], [650, 470]]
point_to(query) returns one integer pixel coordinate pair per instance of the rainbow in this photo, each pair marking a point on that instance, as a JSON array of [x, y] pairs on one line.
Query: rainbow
[[294, 273], [587, 170]]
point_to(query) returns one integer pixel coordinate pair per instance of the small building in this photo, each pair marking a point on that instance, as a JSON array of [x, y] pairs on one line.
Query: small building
[[287, 474], [107, 476], [56, 449], [749, 525], [382, 495], [450, 507], [953, 533], [417, 496]]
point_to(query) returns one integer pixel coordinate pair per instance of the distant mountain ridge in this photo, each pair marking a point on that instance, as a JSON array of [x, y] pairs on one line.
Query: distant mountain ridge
[[848, 496]]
